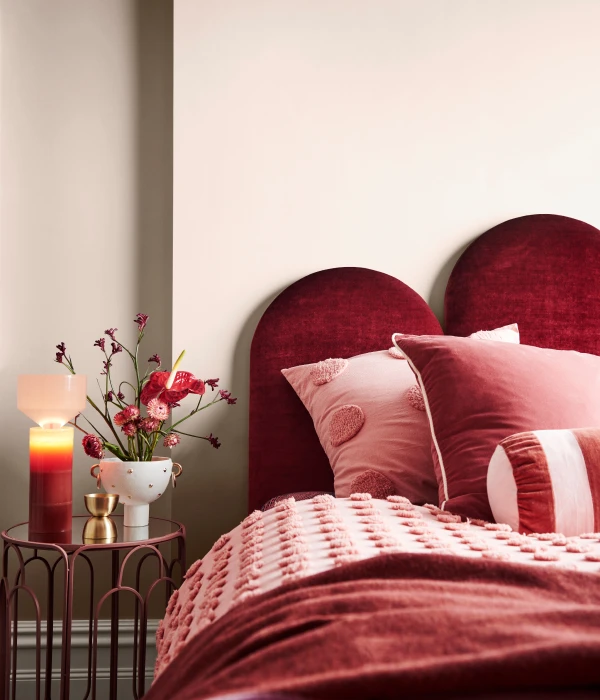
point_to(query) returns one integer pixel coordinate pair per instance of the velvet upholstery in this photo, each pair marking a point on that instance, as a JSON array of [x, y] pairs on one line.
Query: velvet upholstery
[[339, 312], [540, 271]]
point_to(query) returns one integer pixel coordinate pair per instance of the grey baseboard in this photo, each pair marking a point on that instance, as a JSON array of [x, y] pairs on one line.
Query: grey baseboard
[[79, 658]]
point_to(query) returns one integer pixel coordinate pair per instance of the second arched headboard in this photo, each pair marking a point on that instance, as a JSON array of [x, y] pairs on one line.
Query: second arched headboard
[[541, 271]]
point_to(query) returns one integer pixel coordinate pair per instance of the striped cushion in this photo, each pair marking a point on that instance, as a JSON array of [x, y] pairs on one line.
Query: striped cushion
[[547, 481]]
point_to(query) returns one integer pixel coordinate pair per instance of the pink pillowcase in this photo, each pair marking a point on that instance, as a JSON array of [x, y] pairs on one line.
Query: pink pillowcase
[[374, 433], [477, 394], [370, 418], [547, 481]]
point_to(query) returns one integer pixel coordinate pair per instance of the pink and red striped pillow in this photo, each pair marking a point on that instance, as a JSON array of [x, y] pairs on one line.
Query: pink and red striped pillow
[[547, 481]]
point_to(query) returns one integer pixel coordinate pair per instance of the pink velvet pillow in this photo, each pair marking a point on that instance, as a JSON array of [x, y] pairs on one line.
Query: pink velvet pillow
[[370, 417], [477, 394]]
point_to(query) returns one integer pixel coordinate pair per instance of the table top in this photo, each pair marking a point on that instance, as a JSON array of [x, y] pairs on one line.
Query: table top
[[97, 533]]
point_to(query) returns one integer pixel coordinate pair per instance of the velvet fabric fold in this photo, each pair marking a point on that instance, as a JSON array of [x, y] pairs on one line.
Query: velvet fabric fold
[[403, 625]]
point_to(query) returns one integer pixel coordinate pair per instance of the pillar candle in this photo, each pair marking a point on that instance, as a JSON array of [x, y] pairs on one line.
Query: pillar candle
[[50, 483]]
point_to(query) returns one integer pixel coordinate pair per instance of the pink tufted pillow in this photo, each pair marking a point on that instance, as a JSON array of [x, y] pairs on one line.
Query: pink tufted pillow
[[477, 394], [547, 481], [370, 418]]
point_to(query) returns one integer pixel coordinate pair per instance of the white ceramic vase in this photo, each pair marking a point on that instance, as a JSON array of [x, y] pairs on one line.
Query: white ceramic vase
[[137, 483]]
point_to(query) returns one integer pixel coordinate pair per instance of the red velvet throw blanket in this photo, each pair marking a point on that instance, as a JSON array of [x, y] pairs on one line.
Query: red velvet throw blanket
[[402, 626]]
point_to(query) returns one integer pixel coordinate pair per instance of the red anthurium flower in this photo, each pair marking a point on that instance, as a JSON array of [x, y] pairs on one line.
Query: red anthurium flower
[[185, 383]]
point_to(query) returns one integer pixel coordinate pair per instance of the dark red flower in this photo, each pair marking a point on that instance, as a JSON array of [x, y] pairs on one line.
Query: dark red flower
[[141, 320], [116, 348], [212, 383], [61, 347], [226, 396], [214, 441], [59, 356], [107, 365], [100, 343], [185, 383], [92, 446], [110, 396], [130, 429], [154, 358], [121, 396], [110, 332]]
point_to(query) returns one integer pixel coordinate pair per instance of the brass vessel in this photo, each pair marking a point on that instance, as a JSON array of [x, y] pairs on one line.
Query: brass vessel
[[101, 504]]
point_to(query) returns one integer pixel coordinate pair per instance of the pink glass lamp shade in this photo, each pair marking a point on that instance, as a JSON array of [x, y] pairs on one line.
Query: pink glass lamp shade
[[51, 401]]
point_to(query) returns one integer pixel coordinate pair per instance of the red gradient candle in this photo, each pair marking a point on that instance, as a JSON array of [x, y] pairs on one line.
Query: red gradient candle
[[50, 482]]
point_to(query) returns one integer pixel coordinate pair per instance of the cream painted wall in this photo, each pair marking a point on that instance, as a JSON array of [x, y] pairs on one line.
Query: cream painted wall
[[86, 198], [382, 133]]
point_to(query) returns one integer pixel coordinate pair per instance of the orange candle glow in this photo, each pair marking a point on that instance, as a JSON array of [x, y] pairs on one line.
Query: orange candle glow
[[50, 481]]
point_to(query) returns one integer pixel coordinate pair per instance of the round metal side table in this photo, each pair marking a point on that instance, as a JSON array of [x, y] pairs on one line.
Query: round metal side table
[[125, 542]]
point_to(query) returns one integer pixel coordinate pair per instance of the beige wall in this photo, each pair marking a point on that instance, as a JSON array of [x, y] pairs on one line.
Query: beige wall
[[381, 133], [86, 198]]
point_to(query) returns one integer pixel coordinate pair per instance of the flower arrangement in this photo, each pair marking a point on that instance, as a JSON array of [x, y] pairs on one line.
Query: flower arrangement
[[133, 436]]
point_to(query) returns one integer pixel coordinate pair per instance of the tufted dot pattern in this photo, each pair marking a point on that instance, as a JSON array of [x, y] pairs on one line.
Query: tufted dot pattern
[[345, 423], [414, 396], [327, 370], [371, 481], [295, 540]]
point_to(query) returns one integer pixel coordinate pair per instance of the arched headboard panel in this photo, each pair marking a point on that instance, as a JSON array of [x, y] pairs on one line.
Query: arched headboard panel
[[542, 271], [340, 312]]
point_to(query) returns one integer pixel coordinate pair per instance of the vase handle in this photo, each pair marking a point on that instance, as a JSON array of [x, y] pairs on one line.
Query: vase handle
[[175, 474], [96, 476]]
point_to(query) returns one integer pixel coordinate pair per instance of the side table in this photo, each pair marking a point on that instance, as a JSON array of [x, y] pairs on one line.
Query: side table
[[126, 541]]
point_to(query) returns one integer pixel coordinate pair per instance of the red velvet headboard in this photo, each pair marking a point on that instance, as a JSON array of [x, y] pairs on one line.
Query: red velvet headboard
[[542, 271], [340, 312]]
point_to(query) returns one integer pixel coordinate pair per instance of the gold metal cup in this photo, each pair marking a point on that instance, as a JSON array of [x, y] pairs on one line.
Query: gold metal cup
[[99, 530], [100, 504]]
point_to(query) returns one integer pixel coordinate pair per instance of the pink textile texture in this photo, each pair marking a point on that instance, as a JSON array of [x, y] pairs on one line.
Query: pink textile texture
[[477, 394], [394, 439]]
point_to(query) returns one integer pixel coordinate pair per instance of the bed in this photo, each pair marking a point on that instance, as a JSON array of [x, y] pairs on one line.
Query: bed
[[366, 597]]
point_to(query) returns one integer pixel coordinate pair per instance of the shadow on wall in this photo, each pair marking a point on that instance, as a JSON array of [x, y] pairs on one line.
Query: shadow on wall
[[215, 496], [438, 289]]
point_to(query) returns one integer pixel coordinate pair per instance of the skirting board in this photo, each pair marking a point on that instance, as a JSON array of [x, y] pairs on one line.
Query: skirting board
[[79, 657]]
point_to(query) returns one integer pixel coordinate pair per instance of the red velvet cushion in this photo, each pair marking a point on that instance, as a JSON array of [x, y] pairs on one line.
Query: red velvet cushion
[[480, 392]]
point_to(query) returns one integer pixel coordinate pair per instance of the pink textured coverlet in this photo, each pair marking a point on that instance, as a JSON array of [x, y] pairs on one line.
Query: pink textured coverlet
[[401, 625], [481, 393]]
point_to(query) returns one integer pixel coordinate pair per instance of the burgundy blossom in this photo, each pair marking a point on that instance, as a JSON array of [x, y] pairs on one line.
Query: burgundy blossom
[[116, 348], [59, 356], [119, 418], [154, 358], [131, 412], [121, 396], [61, 347], [185, 383], [100, 343], [212, 383], [141, 320], [92, 446], [130, 429], [110, 332], [110, 396], [107, 365], [171, 440], [214, 441], [149, 425], [226, 395]]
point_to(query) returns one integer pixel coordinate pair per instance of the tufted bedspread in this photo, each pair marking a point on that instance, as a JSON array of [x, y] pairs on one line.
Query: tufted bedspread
[[298, 539]]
